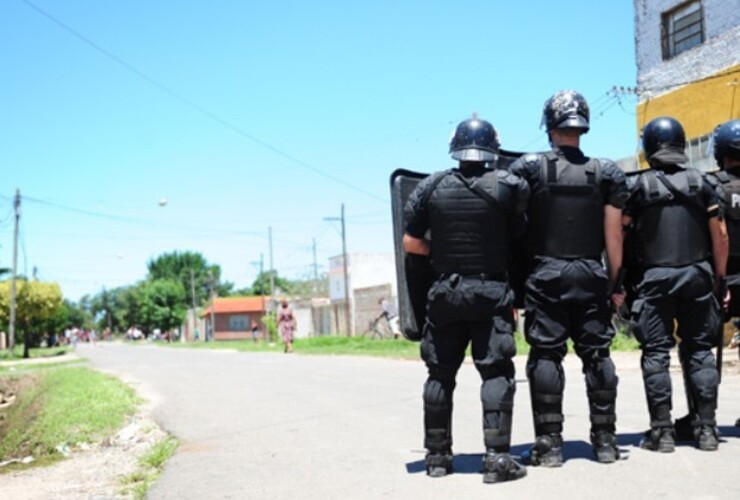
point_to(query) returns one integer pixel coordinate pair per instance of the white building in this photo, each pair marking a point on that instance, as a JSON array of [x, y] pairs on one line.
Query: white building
[[364, 270]]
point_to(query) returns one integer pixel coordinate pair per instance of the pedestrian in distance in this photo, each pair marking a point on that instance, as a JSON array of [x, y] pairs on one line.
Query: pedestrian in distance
[[574, 216], [388, 312], [462, 222], [286, 325], [679, 243]]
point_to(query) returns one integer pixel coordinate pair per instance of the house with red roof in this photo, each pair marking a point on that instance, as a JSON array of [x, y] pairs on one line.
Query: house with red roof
[[234, 317]]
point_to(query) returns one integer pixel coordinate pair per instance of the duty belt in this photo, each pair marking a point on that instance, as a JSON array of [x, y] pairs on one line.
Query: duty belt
[[499, 276]]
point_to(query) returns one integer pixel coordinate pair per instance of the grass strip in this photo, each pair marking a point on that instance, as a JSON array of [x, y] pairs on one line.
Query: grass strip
[[34, 352], [391, 348], [150, 467], [60, 406]]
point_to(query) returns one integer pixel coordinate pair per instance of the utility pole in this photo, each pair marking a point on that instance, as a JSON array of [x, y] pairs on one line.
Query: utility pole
[[11, 328], [315, 271], [262, 282], [213, 307], [272, 269], [192, 296], [347, 309]]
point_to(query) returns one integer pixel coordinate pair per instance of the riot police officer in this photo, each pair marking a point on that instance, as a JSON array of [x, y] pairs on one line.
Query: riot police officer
[[574, 215], [463, 220], [726, 139], [677, 229]]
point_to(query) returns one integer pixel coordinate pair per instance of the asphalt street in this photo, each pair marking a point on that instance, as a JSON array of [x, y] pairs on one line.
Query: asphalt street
[[265, 425]]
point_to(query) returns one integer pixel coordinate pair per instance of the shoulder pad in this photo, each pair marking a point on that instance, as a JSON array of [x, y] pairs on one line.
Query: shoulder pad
[[633, 173], [718, 177], [507, 177], [531, 158], [606, 163]]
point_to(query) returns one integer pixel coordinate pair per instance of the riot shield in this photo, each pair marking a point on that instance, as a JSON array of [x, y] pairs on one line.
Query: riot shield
[[413, 284]]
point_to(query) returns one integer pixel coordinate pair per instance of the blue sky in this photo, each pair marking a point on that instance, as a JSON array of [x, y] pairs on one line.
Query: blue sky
[[246, 115]]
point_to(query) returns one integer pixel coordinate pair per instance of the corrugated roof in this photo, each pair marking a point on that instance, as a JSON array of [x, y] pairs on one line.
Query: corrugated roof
[[237, 305]]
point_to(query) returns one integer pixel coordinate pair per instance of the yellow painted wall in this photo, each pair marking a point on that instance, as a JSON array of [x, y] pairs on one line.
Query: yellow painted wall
[[699, 106]]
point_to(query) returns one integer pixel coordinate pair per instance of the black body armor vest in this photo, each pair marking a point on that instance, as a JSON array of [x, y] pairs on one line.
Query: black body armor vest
[[567, 212], [470, 234], [731, 193], [672, 227]]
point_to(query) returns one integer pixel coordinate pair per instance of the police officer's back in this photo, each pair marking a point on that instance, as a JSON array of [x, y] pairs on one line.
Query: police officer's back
[[574, 214], [464, 221], [681, 252], [726, 149]]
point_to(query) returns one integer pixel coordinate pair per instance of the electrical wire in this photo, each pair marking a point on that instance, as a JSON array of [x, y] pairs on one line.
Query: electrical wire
[[195, 106]]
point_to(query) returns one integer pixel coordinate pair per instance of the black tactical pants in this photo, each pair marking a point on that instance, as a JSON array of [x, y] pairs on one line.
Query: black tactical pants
[[683, 295], [568, 299], [462, 311]]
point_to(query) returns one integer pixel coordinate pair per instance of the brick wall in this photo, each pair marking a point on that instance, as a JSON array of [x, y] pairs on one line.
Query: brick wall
[[720, 50]]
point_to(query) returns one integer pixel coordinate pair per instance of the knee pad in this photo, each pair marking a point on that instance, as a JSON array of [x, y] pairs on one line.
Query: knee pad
[[653, 362], [497, 394], [601, 374], [438, 393], [545, 375]]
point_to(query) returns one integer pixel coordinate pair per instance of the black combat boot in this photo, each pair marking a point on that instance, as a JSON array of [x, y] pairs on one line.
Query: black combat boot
[[706, 437], [605, 446], [659, 439], [500, 467], [547, 451], [439, 464]]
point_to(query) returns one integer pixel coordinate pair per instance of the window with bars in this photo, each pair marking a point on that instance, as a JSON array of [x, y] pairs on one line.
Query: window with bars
[[238, 323], [683, 28]]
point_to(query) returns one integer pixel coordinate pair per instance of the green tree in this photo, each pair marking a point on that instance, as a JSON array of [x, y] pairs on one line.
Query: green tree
[[310, 287], [79, 315], [184, 266], [36, 303], [161, 304], [101, 307], [261, 285], [125, 307]]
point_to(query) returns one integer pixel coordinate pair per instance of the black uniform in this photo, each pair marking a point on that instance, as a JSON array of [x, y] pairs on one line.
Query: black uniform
[[670, 209], [728, 194], [567, 288], [472, 216]]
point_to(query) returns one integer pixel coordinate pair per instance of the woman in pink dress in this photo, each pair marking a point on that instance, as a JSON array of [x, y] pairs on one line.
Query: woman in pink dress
[[286, 324]]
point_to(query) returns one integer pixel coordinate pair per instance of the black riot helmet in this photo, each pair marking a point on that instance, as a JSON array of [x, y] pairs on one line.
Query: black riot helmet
[[474, 140], [663, 134], [726, 140], [566, 109]]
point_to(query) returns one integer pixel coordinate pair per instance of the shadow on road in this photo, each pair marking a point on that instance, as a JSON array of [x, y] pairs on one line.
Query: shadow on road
[[470, 463]]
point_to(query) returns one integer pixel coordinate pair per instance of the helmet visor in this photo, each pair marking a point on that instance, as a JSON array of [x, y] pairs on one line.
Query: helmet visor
[[473, 154]]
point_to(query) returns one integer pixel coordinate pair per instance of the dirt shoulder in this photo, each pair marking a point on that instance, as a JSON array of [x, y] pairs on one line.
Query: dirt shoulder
[[90, 470]]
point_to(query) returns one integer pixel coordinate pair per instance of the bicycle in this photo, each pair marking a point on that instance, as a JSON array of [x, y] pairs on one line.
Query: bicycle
[[375, 330]]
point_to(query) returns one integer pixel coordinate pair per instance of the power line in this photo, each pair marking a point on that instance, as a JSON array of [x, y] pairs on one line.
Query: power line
[[640, 90], [193, 105]]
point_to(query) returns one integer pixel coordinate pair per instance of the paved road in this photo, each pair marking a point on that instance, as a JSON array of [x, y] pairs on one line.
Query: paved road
[[263, 425]]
